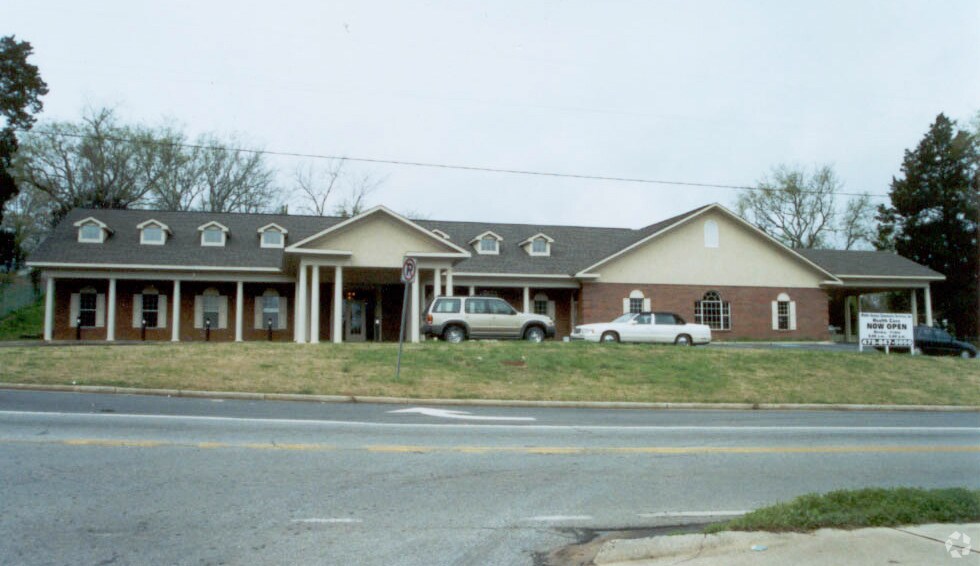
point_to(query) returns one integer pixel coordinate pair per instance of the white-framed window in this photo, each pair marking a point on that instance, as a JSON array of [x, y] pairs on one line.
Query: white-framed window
[[90, 233], [150, 306], [636, 302], [153, 233], [213, 236], [711, 239], [212, 310], [211, 307], [488, 244], [539, 246], [87, 308], [713, 311], [541, 305], [271, 239], [783, 313], [151, 309], [271, 307]]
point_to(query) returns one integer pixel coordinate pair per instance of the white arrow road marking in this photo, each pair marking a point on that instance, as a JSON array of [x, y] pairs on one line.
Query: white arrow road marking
[[318, 520], [459, 415], [692, 514]]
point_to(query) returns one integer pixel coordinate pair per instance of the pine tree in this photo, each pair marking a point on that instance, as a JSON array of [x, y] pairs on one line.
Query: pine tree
[[933, 217]]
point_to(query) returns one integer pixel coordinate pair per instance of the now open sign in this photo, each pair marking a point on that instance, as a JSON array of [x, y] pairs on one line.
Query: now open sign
[[886, 329]]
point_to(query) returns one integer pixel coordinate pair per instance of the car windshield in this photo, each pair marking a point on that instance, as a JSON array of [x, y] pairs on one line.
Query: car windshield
[[625, 318]]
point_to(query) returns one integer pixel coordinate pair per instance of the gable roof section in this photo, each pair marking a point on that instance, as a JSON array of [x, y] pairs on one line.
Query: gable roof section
[[426, 233], [870, 265]]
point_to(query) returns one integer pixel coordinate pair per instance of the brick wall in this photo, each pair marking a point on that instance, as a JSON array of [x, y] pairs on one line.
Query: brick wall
[[751, 308]]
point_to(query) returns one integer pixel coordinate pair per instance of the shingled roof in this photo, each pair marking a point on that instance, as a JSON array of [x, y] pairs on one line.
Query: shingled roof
[[574, 248]]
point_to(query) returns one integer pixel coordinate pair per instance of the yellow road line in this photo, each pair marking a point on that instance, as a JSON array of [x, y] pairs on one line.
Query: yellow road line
[[530, 450]]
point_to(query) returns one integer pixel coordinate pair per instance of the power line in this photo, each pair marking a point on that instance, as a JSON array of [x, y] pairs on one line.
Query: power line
[[433, 165]]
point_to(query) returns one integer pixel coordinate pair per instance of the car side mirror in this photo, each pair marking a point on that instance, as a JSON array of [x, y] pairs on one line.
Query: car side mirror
[[634, 321]]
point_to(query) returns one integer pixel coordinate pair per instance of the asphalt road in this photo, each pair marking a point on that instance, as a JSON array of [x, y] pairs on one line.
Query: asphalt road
[[96, 479]]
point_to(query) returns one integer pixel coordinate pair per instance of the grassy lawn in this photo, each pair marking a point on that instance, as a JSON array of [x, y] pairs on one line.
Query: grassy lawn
[[852, 509], [509, 370], [28, 321]]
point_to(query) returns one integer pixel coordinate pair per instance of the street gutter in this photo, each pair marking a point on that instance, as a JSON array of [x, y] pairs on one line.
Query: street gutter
[[484, 402]]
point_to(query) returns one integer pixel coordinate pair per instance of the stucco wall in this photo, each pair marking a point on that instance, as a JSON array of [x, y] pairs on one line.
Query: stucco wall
[[378, 241]]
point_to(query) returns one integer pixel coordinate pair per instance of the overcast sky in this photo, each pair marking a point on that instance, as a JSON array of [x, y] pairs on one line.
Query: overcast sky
[[712, 92]]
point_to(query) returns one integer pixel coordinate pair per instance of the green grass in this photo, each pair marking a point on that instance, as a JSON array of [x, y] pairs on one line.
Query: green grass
[[25, 322], [509, 370], [851, 509]]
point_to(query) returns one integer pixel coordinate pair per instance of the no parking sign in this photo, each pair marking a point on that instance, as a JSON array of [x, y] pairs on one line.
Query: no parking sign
[[410, 269]]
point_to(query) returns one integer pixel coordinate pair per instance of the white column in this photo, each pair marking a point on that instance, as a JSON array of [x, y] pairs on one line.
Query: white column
[[338, 305], [414, 314], [915, 307], [239, 310], [437, 282], [175, 316], [315, 306], [527, 300], [303, 310], [449, 282], [472, 290], [859, 308], [928, 306], [49, 310], [847, 319], [110, 326]]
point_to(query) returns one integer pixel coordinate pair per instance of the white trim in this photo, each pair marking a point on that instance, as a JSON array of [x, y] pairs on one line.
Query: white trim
[[146, 223], [321, 252], [272, 226], [685, 220], [546, 237], [92, 220], [483, 234], [922, 277], [164, 230], [220, 277], [441, 234], [264, 244], [99, 240], [365, 214], [538, 276], [204, 227], [150, 266]]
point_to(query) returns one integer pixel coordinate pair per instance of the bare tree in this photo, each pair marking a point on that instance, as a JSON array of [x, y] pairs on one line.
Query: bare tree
[[180, 185], [234, 179], [856, 223], [793, 206], [316, 186]]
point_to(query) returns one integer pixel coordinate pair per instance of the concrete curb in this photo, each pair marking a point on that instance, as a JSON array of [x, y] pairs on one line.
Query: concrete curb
[[483, 402]]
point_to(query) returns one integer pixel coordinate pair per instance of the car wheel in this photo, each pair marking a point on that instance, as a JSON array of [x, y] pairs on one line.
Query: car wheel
[[684, 340], [609, 337], [965, 354], [534, 334], [454, 335], [918, 351]]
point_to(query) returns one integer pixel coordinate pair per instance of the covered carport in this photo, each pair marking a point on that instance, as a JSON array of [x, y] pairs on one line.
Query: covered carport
[[864, 273]]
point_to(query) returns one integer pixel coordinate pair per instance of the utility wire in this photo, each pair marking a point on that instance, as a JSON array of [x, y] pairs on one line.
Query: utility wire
[[433, 165]]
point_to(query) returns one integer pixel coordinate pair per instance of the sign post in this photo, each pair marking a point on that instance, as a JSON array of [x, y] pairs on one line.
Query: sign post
[[409, 272], [887, 330]]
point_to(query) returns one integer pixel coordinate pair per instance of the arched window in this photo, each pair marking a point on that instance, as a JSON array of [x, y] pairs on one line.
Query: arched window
[[710, 234], [636, 302], [150, 306], [541, 305], [713, 311], [783, 313]]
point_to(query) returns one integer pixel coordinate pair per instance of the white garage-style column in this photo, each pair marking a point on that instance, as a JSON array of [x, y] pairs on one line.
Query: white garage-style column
[[449, 282], [49, 310], [915, 307], [928, 306], [239, 310], [175, 317], [110, 327], [527, 300], [315, 306], [336, 331], [414, 313], [437, 282], [472, 290], [302, 310], [847, 318]]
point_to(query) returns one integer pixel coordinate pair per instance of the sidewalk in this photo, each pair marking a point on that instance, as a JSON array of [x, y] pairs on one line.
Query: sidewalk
[[919, 544]]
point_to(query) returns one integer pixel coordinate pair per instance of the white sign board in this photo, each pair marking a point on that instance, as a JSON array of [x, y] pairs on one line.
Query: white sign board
[[888, 330]]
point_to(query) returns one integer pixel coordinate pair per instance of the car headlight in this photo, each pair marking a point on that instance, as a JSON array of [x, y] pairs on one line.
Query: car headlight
[[584, 331]]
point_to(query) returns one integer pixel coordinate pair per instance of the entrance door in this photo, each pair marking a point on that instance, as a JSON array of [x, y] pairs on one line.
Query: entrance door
[[355, 328]]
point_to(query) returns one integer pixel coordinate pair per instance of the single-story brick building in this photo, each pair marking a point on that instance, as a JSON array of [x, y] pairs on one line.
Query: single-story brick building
[[158, 275]]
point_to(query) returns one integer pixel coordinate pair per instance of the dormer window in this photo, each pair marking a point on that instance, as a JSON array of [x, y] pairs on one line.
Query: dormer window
[[91, 231], [441, 234], [487, 243], [272, 236], [153, 233], [538, 245], [213, 234]]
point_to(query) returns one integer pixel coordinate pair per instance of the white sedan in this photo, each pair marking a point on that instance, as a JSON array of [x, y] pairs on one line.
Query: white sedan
[[661, 327]]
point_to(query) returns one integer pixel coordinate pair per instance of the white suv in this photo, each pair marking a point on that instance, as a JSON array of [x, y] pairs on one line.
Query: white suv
[[455, 319]]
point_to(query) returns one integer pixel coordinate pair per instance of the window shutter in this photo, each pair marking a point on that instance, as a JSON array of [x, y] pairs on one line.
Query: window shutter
[[223, 311], [792, 315], [259, 323], [100, 310], [162, 311], [73, 310], [283, 313], [626, 305], [775, 315], [198, 311], [137, 311], [551, 310], [646, 305]]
